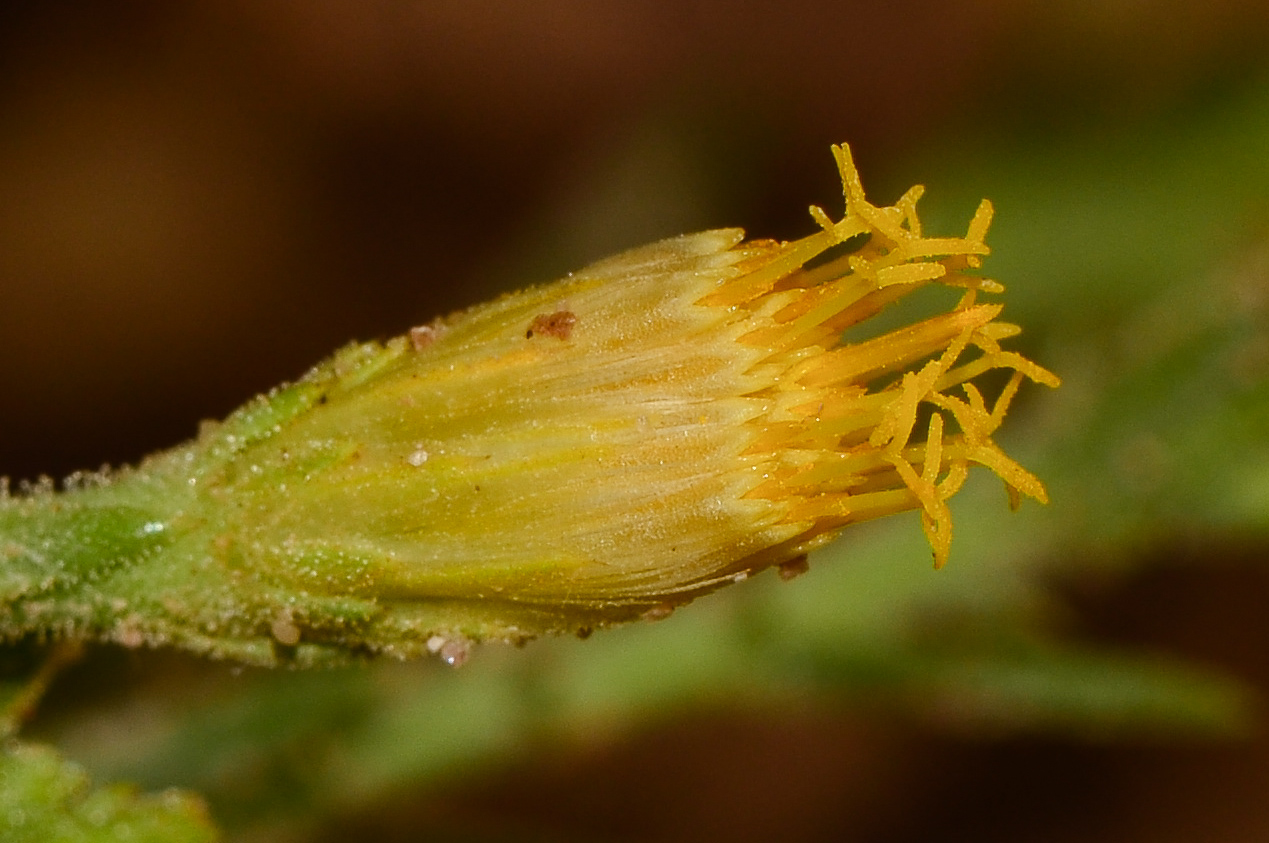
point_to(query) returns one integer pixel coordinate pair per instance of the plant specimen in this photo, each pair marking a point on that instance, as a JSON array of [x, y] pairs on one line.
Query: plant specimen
[[593, 451]]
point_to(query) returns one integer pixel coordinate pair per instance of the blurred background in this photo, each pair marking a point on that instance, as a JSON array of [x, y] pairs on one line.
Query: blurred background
[[199, 201]]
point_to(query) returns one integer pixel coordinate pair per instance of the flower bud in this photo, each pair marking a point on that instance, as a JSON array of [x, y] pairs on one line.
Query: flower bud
[[612, 445], [597, 450]]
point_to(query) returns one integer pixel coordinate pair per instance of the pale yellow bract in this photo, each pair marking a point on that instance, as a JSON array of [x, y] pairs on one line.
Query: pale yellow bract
[[665, 421]]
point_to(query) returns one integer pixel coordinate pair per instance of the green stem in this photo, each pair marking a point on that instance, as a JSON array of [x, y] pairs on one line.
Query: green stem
[[141, 559], [61, 553], [153, 556]]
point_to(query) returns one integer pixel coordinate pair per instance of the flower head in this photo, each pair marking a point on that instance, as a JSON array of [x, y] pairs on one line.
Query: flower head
[[663, 422]]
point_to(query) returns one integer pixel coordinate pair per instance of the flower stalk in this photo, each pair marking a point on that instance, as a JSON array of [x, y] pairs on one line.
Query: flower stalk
[[589, 452]]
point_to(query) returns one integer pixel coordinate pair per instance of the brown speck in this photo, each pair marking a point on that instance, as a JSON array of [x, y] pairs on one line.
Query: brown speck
[[284, 630], [452, 650], [558, 324], [423, 336], [455, 652], [794, 568], [659, 612], [129, 633]]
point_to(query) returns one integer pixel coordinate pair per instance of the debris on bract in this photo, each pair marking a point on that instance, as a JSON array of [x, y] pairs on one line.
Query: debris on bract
[[659, 612], [558, 324], [453, 651], [794, 568], [423, 336]]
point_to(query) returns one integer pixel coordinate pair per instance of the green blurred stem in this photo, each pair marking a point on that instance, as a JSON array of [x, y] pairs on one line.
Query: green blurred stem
[[23, 704]]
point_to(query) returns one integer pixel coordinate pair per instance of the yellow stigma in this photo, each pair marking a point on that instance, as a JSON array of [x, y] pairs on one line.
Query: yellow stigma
[[661, 423], [837, 440]]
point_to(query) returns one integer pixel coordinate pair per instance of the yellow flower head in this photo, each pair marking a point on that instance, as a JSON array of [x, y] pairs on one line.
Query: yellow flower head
[[666, 421]]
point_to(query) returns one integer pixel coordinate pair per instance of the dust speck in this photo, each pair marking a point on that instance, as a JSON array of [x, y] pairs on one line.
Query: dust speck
[[659, 612], [452, 650], [422, 336], [284, 630], [128, 633], [455, 652], [558, 324], [794, 568]]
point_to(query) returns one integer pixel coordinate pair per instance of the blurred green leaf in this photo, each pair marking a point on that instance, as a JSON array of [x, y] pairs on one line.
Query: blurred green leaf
[[1137, 261], [45, 799]]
